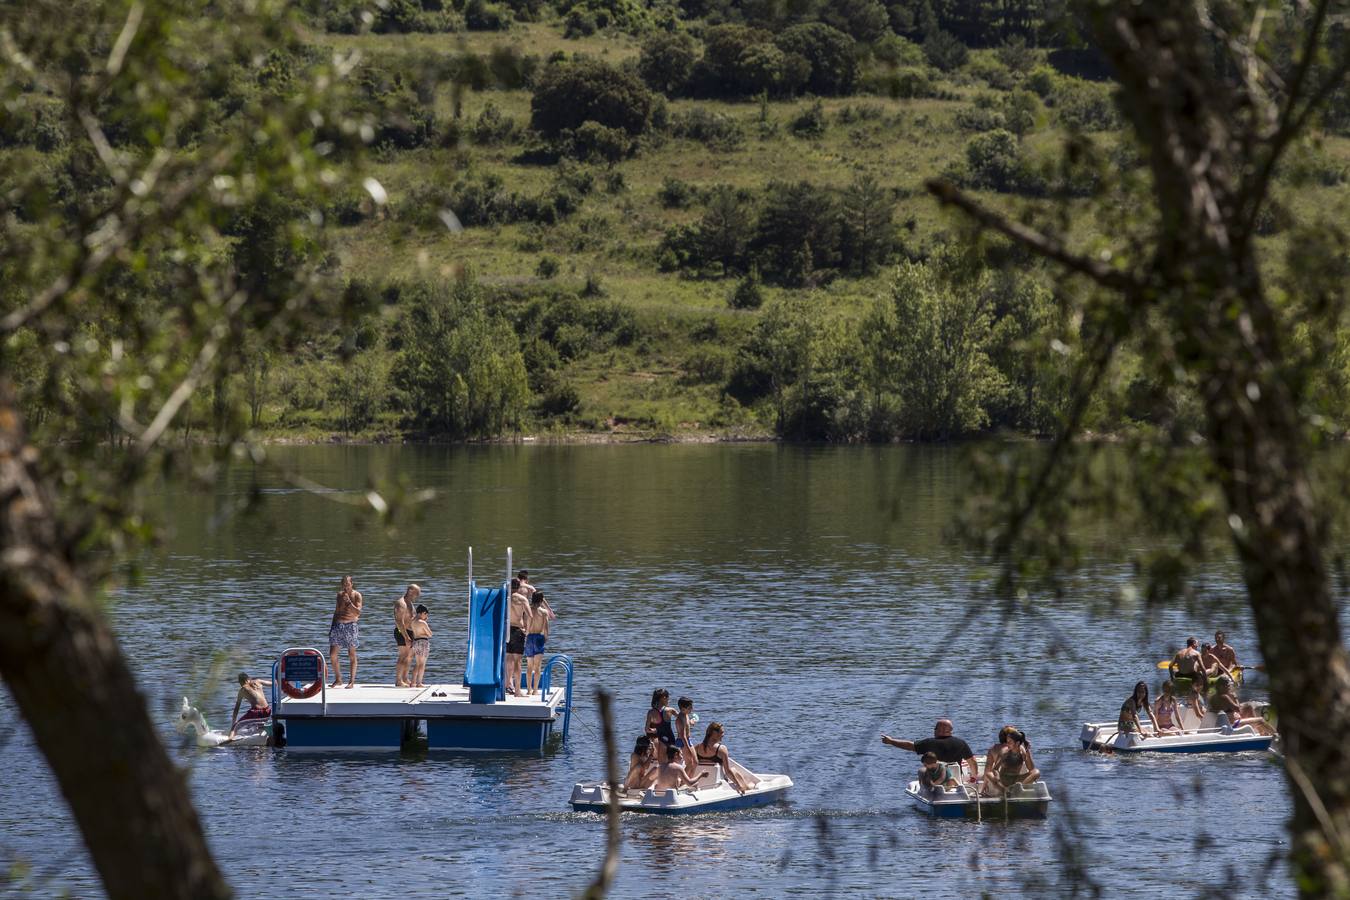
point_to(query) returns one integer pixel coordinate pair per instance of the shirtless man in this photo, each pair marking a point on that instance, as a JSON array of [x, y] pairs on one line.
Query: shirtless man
[[344, 631], [518, 611], [250, 689], [1187, 662], [1213, 666], [671, 773], [526, 587], [1224, 651], [403, 616], [535, 636]]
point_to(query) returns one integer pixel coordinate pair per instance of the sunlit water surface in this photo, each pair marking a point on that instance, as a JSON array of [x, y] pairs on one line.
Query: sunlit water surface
[[808, 598]]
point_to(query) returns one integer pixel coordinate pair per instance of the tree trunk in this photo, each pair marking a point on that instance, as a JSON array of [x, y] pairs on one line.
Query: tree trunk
[[72, 685], [1197, 126]]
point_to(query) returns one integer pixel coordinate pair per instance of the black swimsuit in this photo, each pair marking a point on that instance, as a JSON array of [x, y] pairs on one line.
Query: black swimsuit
[[664, 732], [708, 760]]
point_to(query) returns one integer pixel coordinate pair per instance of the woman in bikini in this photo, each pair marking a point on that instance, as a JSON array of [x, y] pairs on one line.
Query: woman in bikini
[[1141, 706], [712, 752], [659, 720], [1015, 765], [1166, 712]]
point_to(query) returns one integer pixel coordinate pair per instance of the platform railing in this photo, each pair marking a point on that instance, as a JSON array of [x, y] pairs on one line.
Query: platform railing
[[546, 681], [323, 678]]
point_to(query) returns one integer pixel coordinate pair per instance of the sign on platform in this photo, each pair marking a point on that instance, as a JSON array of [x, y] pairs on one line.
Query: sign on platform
[[302, 669]]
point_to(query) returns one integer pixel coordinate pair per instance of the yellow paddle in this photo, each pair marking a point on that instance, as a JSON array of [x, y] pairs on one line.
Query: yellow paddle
[[1167, 664]]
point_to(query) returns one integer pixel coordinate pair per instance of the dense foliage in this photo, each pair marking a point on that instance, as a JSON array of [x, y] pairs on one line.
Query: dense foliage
[[701, 168]]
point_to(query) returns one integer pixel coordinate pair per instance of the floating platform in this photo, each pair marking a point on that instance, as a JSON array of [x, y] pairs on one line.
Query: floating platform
[[478, 714], [384, 717], [711, 794]]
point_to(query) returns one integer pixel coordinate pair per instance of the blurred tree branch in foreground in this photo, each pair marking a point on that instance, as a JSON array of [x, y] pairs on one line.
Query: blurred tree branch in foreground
[[1217, 94], [173, 232]]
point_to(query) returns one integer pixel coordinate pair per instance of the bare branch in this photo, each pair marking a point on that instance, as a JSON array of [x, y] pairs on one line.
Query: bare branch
[[605, 877], [1044, 245], [1292, 122], [123, 43]]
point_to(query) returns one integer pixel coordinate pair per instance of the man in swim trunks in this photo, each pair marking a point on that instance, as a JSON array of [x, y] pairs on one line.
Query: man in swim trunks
[[344, 631], [536, 635], [949, 748], [403, 616], [518, 614], [1187, 662], [250, 689]]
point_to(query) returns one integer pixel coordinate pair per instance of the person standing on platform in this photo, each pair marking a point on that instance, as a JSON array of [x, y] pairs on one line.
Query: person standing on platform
[[403, 615], [518, 617], [535, 636], [344, 630], [421, 645]]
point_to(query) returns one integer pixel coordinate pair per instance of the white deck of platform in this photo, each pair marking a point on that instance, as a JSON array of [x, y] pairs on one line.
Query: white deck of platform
[[387, 701]]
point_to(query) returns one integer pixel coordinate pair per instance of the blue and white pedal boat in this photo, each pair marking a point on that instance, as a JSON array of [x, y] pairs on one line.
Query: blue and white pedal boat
[[1022, 801], [712, 794], [1218, 738]]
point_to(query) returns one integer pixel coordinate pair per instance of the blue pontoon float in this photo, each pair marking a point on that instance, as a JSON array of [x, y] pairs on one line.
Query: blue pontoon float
[[475, 715]]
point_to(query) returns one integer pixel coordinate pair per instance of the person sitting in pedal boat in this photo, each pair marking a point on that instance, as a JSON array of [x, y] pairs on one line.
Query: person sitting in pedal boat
[[641, 765], [1015, 765], [1165, 711], [948, 747], [1195, 698], [933, 775], [1141, 705]]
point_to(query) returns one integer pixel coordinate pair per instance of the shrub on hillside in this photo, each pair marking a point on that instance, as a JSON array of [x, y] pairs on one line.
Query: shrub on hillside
[[492, 127], [1084, 106], [894, 50], [33, 122], [982, 116], [676, 194], [579, 24], [593, 142], [993, 73], [797, 235], [747, 294], [994, 162], [571, 93], [944, 51], [392, 17], [741, 61], [716, 130], [666, 61], [1016, 55], [810, 122], [863, 20], [831, 54], [479, 15]]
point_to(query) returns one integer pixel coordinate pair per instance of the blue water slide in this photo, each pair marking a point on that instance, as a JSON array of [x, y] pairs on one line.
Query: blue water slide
[[484, 664]]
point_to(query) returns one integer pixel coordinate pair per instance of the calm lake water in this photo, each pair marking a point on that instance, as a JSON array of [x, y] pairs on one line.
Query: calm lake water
[[808, 598]]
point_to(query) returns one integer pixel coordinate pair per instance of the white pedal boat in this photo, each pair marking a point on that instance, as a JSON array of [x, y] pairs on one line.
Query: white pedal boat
[[712, 794], [1214, 735], [1021, 801]]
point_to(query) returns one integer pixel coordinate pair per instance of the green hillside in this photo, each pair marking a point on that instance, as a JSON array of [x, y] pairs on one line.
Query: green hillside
[[729, 253]]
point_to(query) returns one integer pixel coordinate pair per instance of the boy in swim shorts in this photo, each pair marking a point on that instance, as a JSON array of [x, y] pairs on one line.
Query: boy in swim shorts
[[535, 638]]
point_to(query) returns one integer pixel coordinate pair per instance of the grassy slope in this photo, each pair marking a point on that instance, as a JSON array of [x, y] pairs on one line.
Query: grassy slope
[[615, 236]]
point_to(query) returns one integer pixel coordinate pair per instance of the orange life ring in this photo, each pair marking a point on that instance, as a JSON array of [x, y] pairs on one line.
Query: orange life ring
[[308, 690]]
